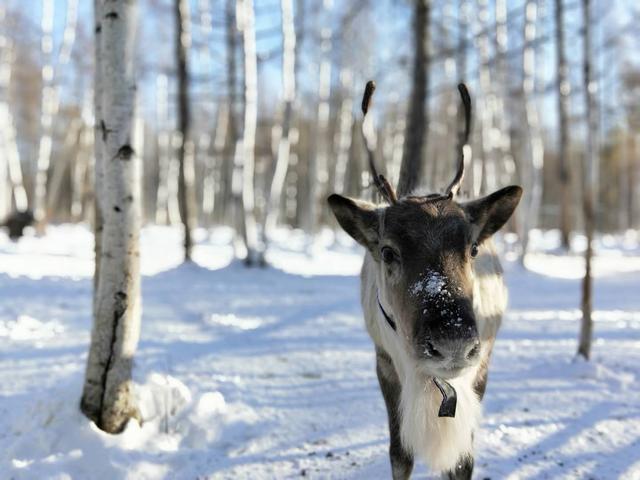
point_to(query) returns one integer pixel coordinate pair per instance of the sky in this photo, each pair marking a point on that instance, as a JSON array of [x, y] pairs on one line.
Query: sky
[[379, 45]]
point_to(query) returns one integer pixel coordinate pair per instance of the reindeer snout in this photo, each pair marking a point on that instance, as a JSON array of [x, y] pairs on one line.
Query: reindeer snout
[[457, 353]]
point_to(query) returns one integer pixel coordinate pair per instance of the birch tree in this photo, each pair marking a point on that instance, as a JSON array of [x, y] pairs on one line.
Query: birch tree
[[231, 197], [108, 397], [589, 175], [418, 115], [245, 154], [8, 139], [487, 100], [186, 153], [48, 106], [288, 98], [563, 90], [318, 160], [50, 101], [534, 147]]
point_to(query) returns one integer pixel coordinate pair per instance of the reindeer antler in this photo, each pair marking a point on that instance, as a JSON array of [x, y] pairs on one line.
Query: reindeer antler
[[464, 149], [368, 132]]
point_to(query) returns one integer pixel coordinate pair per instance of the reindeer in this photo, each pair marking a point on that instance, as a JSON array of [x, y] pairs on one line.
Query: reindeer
[[433, 296]]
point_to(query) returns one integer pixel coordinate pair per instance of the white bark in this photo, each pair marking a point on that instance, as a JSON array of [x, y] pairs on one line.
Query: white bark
[[488, 101], [246, 21], [288, 98], [345, 127], [108, 397], [534, 148], [50, 98], [505, 163], [318, 173], [162, 119], [48, 106], [8, 138], [213, 170]]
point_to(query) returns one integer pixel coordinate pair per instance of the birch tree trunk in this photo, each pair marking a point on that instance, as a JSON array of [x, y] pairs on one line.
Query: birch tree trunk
[[318, 175], [247, 150], [505, 160], [284, 145], [231, 41], [108, 397], [590, 166], [564, 90], [8, 138], [534, 147], [418, 114], [98, 122], [487, 100], [163, 146], [50, 99], [46, 115], [345, 126], [186, 153]]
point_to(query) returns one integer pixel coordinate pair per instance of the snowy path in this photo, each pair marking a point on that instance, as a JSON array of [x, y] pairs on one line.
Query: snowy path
[[269, 373]]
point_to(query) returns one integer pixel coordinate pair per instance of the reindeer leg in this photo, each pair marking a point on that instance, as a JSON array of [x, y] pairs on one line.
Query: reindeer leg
[[463, 470], [401, 461]]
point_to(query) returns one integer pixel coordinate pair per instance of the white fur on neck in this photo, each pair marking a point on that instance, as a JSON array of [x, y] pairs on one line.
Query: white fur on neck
[[439, 441]]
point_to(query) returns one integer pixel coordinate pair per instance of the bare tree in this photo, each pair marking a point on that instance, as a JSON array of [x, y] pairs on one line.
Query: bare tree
[[418, 115], [318, 160], [288, 97], [107, 396], [244, 163], [50, 98], [564, 90], [8, 140], [186, 153], [532, 159], [48, 106], [486, 112], [589, 198]]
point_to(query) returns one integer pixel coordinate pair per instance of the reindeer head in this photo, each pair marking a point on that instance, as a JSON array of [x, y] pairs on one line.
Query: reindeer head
[[423, 249]]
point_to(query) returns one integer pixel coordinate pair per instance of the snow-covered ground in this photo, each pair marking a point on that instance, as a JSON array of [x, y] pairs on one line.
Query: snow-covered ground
[[268, 373]]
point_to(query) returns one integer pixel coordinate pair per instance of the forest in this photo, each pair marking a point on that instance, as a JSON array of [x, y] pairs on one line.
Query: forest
[[188, 189]]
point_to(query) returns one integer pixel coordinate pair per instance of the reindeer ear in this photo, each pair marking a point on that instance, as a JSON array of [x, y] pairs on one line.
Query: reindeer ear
[[490, 213], [358, 218]]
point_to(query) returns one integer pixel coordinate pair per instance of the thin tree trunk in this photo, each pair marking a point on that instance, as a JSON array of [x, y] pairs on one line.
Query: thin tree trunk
[[50, 99], [284, 145], [564, 90], [418, 114], [98, 126], [534, 147], [488, 100], [186, 177], [249, 129], [46, 115], [7, 127], [163, 148], [318, 175], [345, 125], [589, 200], [108, 397], [505, 161]]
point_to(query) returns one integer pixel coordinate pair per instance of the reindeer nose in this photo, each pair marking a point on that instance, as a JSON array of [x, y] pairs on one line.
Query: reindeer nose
[[458, 351]]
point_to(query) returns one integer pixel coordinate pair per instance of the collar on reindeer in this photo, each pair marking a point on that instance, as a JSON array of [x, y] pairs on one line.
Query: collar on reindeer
[[449, 395], [386, 316]]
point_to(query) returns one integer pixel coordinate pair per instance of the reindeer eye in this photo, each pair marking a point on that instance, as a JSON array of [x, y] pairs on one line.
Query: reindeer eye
[[474, 250], [388, 255]]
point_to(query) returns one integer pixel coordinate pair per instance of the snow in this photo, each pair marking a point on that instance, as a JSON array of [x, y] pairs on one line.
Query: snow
[[268, 373]]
